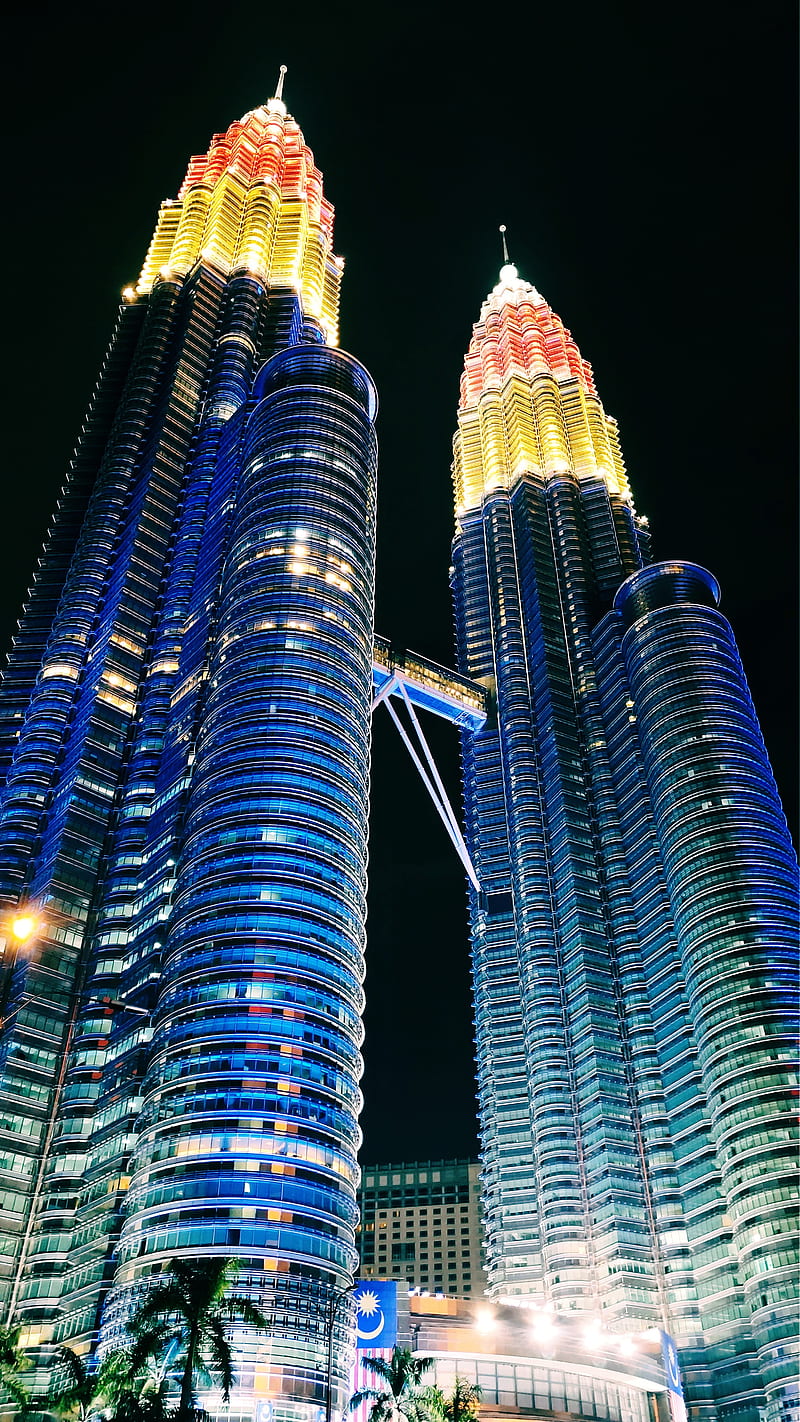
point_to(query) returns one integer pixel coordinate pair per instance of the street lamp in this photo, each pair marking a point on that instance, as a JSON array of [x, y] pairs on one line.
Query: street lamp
[[334, 1303], [23, 927], [20, 928]]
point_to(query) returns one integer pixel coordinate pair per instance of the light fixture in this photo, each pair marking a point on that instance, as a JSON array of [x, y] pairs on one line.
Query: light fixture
[[543, 1328], [23, 927]]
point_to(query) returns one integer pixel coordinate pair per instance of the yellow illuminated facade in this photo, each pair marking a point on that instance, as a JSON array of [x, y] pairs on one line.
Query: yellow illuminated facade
[[253, 203], [528, 402]]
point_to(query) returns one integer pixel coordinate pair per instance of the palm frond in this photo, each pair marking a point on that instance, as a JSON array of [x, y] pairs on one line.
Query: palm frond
[[11, 1355], [221, 1356], [427, 1403], [148, 1343], [418, 1366], [71, 1364], [367, 1394], [242, 1310], [114, 1373], [228, 1274], [202, 1373], [71, 1385], [19, 1393], [203, 1281], [380, 1366], [164, 1299]]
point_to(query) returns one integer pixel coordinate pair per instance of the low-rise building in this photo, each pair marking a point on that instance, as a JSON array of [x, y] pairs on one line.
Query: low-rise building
[[421, 1222]]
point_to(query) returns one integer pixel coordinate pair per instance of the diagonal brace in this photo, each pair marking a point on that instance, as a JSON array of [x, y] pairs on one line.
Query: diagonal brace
[[430, 778]]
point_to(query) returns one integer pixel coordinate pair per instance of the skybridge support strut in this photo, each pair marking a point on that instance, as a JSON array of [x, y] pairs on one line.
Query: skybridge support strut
[[417, 746]]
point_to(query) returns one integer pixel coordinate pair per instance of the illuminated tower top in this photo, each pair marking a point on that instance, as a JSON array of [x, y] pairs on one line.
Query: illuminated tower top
[[254, 203], [528, 401]]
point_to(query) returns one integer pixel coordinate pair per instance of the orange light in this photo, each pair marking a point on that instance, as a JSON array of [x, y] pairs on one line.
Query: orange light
[[254, 201], [23, 928], [528, 402]]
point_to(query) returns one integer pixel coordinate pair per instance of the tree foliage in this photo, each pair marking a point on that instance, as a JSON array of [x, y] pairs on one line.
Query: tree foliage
[[77, 1391], [403, 1393], [464, 1402], [188, 1315], [72, 1387], [13, 1362], [180, 1328]]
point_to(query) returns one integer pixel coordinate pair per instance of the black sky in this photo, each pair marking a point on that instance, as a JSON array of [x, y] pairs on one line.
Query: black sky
[[643, 159]]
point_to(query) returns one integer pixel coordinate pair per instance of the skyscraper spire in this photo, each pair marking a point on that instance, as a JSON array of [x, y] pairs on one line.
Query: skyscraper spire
[[281, 77], [254, 202], [509, 426], [506, 257]]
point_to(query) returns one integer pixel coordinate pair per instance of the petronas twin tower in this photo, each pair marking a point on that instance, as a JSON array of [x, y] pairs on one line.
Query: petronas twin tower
[[184, 742]]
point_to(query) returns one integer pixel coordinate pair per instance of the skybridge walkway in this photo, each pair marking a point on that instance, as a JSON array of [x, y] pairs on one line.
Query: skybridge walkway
[[419, 683]]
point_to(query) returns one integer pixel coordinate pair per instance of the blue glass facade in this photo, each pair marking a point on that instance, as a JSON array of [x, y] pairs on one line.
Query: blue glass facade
[[184, 746], [185, 738], [635, 937]]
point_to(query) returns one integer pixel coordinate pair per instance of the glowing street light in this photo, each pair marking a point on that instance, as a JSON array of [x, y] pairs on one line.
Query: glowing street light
[[592, 1332], [23, 927], [543, 1328], [20, 928]]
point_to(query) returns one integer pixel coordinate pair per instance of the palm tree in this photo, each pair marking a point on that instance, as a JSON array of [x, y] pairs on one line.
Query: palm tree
[[192, 1309], [73, 1388], [77, 1391], [143, 1404], [463, 1404], [403, 1394], [13, 1362], [128, 1390]]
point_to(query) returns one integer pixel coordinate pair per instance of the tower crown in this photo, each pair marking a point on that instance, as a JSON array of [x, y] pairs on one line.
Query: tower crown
[[528, 400], [518, 332], [254, 202]]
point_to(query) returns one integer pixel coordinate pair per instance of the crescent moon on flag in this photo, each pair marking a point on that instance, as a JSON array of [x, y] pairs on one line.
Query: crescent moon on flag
[[362, 1333]]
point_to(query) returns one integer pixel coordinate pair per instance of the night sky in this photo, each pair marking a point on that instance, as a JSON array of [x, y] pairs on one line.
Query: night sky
[[643, 160]]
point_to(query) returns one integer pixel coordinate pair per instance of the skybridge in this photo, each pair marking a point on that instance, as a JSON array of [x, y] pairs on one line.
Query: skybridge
[[415, 682]]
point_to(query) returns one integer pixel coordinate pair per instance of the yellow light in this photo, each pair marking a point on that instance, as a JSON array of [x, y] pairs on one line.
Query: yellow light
[[23, 927], [543, 1328], [262, 208]]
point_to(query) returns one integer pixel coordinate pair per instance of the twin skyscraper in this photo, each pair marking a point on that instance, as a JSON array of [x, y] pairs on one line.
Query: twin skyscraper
[[184, 744]]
